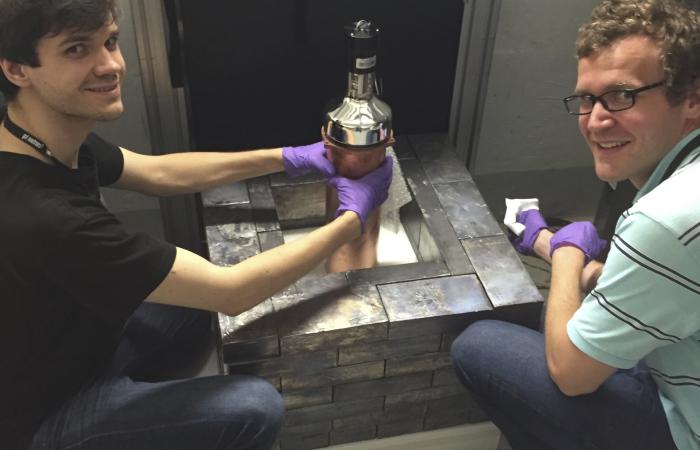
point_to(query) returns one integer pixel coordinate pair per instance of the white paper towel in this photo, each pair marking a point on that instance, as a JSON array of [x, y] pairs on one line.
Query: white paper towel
[[515, 206], [399, 195]]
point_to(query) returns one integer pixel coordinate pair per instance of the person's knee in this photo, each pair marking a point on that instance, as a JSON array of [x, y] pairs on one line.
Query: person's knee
[[475, 340], [253, 409], [475, 349], [267, 407]]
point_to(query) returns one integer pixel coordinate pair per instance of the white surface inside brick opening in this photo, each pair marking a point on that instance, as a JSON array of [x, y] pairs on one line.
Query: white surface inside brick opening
[[393, 247]]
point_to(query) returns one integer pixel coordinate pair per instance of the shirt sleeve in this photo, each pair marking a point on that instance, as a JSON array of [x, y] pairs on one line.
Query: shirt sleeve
[[105, 268], [646, 297], [108, 158]]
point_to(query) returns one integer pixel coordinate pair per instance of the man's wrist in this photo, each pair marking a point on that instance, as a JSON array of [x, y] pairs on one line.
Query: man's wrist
[[541, 246], [353, 221], [571, 254]]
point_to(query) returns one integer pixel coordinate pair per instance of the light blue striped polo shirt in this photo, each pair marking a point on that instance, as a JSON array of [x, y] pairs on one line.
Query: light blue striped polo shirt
[[646, 304]]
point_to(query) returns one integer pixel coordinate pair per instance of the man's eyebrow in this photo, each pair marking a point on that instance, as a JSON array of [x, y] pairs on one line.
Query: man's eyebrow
[[79, 37], [607, 88], [76, 38]]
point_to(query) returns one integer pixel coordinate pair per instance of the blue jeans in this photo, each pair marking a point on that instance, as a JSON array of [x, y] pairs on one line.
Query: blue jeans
[[503, 366], [130, 408]]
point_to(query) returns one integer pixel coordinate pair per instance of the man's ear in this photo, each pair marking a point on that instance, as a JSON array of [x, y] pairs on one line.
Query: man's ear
[[693, 100], [14, 72]]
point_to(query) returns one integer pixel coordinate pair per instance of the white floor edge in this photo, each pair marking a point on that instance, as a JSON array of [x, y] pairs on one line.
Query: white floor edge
[[480, 436]]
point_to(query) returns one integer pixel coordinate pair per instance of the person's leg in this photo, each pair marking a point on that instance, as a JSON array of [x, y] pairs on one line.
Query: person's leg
[[213, 413], [504, 367], [160, 340]]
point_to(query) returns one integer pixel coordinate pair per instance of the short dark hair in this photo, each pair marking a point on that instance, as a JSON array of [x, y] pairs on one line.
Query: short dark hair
[[670, 23], [24, 22]]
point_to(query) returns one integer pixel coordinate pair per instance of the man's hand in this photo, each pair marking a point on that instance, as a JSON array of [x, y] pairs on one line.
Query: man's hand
[[581, 235], [365, 194], [306, 159], [534, 223]]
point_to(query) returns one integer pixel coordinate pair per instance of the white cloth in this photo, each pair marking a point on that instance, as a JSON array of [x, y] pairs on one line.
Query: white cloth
[[399, 195], [515, 206]]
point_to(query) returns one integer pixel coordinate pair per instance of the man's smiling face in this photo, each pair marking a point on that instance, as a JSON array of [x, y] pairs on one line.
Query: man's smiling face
[[80, 73], [629, 144]]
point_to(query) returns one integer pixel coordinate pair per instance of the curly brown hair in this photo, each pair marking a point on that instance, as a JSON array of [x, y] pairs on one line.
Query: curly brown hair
[[672, 25]]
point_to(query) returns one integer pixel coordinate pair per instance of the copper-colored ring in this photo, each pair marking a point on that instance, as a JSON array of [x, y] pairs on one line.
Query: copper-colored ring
[[354, 162]]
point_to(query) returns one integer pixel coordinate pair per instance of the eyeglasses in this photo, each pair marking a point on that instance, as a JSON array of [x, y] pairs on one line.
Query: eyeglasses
[[615, 100]]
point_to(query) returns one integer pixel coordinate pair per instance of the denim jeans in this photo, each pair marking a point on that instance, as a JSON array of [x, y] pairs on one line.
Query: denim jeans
[[131, 408], [503, 365]]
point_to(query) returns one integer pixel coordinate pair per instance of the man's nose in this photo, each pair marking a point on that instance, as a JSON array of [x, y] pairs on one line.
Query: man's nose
[[600, 118], [110, 62]]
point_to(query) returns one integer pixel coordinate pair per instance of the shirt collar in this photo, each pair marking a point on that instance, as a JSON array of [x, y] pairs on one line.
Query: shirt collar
[[656, 177]]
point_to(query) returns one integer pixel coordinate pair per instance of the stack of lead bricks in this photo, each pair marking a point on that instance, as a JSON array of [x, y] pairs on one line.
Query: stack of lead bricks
[[365, 354]]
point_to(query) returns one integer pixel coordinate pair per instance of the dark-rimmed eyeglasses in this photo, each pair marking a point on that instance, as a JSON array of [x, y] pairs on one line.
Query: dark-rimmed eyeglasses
[[615, 100]]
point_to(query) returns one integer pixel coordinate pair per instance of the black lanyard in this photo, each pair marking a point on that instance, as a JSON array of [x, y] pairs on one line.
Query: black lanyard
[[689, 147], [32, 141]]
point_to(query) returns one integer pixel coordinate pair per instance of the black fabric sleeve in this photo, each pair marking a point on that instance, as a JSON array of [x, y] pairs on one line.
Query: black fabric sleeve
[[108, 157], [108, 270]]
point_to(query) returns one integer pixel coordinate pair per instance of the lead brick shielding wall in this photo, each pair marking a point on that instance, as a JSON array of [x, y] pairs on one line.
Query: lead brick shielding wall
[[365, 354]]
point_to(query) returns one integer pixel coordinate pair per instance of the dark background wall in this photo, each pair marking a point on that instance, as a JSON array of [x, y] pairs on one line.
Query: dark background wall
[[262, 72]]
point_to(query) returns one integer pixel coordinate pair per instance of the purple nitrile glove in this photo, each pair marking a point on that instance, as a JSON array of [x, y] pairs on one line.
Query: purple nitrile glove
[[534, 223], [582, 235], [365, 194], [305, 159]]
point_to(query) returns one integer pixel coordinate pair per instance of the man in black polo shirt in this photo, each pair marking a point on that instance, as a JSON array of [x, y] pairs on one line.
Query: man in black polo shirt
[[81, 354]]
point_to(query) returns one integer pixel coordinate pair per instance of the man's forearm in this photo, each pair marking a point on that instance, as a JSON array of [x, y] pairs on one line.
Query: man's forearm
[[189, 172], [289, 262], [199, 171], [563, 301], [574, 372], [194, 282]]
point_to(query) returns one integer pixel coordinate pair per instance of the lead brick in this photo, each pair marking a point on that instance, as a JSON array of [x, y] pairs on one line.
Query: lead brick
[[390, 348], [332, 410], [458, 402], [263, 205], [353, 435], [467, 211], [501, 272], [358, 372], [401, 272], [422, 395], [437, 223], [422, 326], [403, 414], [446, 377], [304, 442], [333, 338], [418, 363], [403, 411], [444, 420], [382, 386], [448, 338], [230, 194], [307, 429], [446, 299], [329, 312], [438, 158], [307, 397], [397, 428], [305, 363]]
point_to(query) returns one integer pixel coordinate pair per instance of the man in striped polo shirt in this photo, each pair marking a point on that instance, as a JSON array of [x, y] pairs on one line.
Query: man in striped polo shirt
[[618, 365]]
